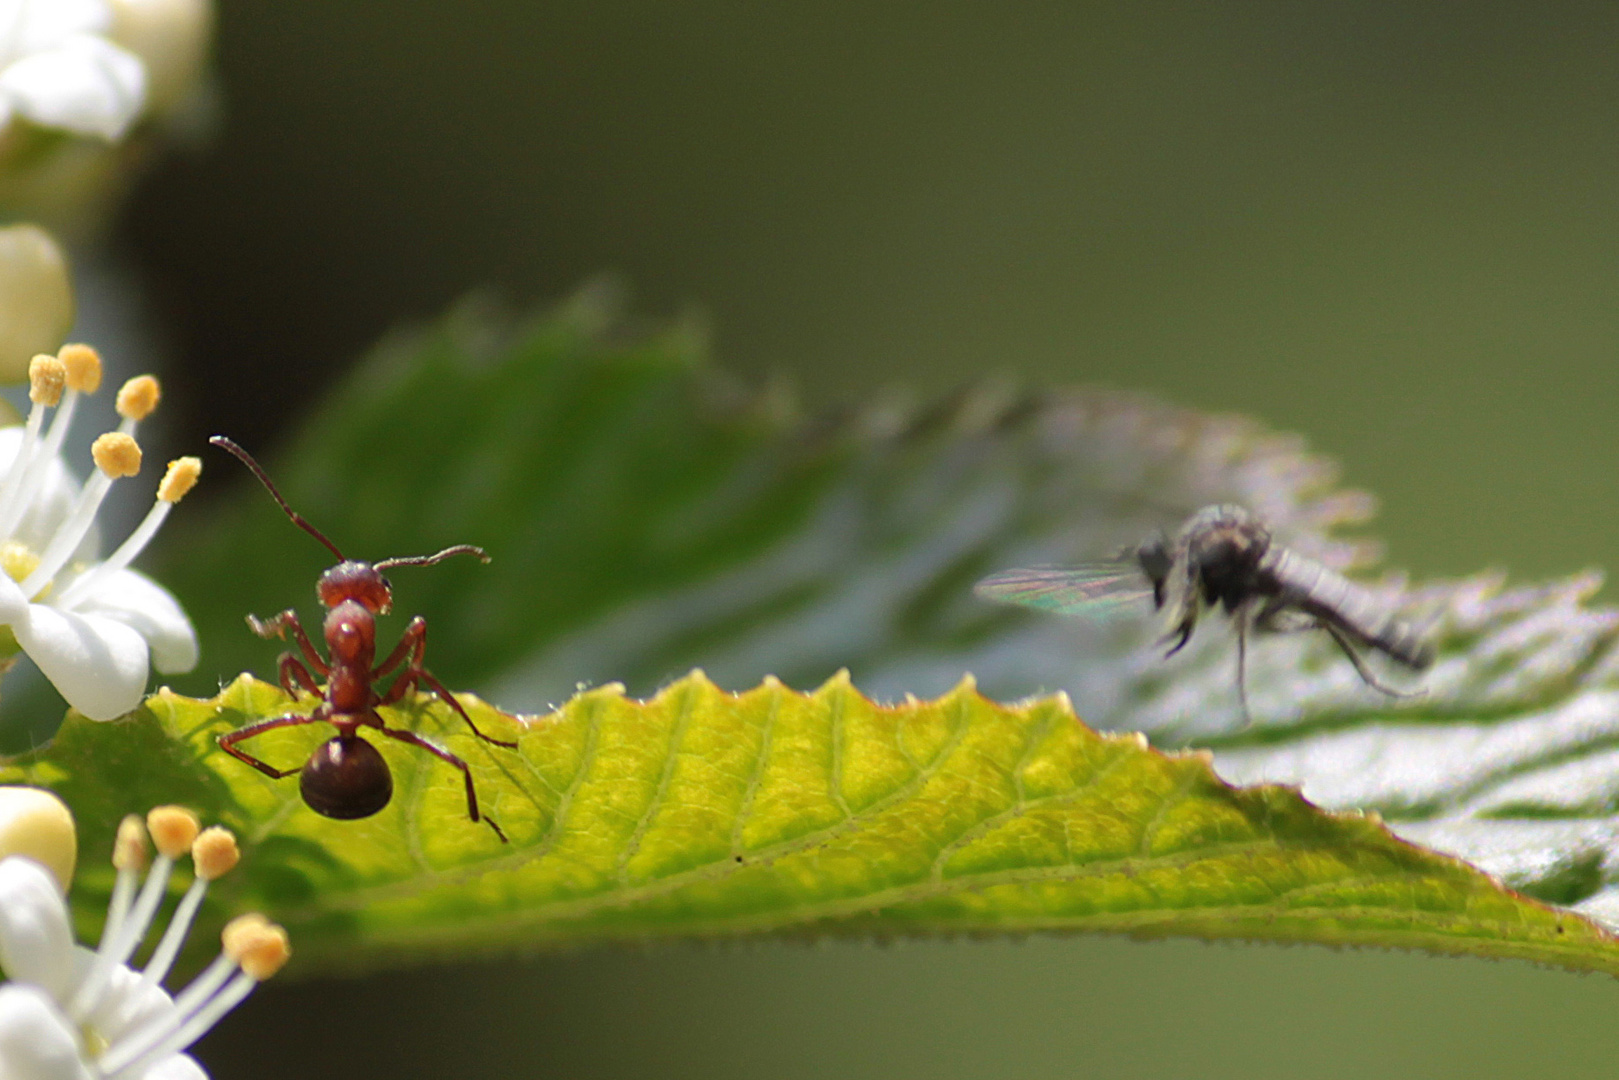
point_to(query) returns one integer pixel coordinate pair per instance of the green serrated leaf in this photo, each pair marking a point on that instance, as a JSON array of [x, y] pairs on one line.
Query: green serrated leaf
[[646, 516], [701, 813]]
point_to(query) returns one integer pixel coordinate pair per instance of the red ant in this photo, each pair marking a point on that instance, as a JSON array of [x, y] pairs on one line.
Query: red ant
[[346, 777]]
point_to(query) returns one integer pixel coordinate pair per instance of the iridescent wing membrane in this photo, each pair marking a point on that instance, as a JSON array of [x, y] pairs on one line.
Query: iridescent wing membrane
[[1096, 589]]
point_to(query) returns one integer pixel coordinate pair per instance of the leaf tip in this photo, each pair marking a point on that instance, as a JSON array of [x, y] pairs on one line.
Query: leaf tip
[[840, 681]]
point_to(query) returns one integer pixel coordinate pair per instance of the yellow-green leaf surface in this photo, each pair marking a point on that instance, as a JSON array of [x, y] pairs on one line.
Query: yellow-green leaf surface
[[706, 814]]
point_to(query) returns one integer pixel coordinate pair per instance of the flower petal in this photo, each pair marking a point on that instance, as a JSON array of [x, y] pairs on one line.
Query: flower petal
[[175, 1067], [36, 943], [13, 604], [129, 1003], [97, 663], [137, 601], [84, 84], [36, 1041], [51, 502], [40, 24]]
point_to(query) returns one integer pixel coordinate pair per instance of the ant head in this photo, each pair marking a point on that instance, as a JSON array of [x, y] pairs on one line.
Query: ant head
[[346, 778], [348, 580], [357, 581]]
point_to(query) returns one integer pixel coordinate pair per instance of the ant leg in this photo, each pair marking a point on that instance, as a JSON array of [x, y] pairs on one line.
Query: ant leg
[[413, 739], [1361, 669], [414, 642], [294, 674], [276, 628], [228, 741], [439, 688]]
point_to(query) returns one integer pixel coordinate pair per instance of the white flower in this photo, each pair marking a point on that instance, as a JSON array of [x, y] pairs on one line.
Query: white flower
[[92, 627], [72, 1014], [58, 69]]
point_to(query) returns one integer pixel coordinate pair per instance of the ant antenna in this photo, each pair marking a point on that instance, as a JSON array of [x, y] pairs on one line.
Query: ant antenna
[[247, 459], [429, 560]]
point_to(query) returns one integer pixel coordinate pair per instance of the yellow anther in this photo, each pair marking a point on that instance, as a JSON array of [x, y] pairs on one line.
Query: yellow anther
[[214, 852], [138, 397], [257, 944], [18, 560], [83, 365], [46, 377], [173, 828], [116, 454], [129, 850], [181, 478]]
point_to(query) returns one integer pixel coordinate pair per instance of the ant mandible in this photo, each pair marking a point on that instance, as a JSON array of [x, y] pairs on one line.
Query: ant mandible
[[346, 777]]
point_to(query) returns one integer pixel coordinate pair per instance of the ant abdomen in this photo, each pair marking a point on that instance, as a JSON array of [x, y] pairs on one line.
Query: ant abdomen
[[346, 778]]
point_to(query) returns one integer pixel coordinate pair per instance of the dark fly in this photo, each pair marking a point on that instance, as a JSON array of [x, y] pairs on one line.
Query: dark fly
[[1223, 556]]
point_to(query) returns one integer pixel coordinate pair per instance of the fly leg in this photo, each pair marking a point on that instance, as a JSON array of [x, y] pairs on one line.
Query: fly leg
[[1276, 617], [413, 739], [1242, 617], [1361, 669], [1179, 604], [228, 741]]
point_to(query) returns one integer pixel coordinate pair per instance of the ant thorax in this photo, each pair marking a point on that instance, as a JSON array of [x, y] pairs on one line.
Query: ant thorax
[[351, 636]]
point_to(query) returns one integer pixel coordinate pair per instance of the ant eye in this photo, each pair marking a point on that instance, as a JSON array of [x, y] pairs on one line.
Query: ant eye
[[346, 778]]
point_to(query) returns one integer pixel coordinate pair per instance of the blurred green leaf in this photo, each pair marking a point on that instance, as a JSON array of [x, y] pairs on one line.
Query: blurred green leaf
[[706, 814]]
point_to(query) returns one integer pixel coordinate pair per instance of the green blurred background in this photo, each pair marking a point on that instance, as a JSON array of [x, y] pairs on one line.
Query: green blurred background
[[1392, 227]]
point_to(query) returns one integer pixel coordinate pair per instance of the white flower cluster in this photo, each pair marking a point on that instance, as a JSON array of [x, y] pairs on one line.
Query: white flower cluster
[[59, 69], [72, 1014], [93, 627]]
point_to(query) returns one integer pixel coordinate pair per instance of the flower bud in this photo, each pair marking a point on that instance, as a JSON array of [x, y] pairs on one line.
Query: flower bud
[[171, 38], [36, 298], [37, 824]]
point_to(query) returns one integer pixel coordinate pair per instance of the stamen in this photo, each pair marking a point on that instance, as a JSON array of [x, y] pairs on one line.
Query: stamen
[[47, 378], [129, 858], [42, 374], [45, 452], [213, 853], [129, 849], [259, 946], [188, 1032], [173, 829], [116, 455], [204, 986], [137, 398], [83, 365], [129, 935], [180, 479], [179, 926]]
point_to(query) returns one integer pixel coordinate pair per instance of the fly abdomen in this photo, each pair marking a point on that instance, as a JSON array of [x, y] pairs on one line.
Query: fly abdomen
[[1332, 598]]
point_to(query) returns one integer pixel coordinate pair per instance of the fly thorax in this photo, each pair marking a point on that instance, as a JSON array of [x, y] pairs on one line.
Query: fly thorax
[[1227, 558]]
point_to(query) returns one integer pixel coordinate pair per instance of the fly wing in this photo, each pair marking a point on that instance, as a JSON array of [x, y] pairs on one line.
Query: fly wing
[[1097, 589]]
